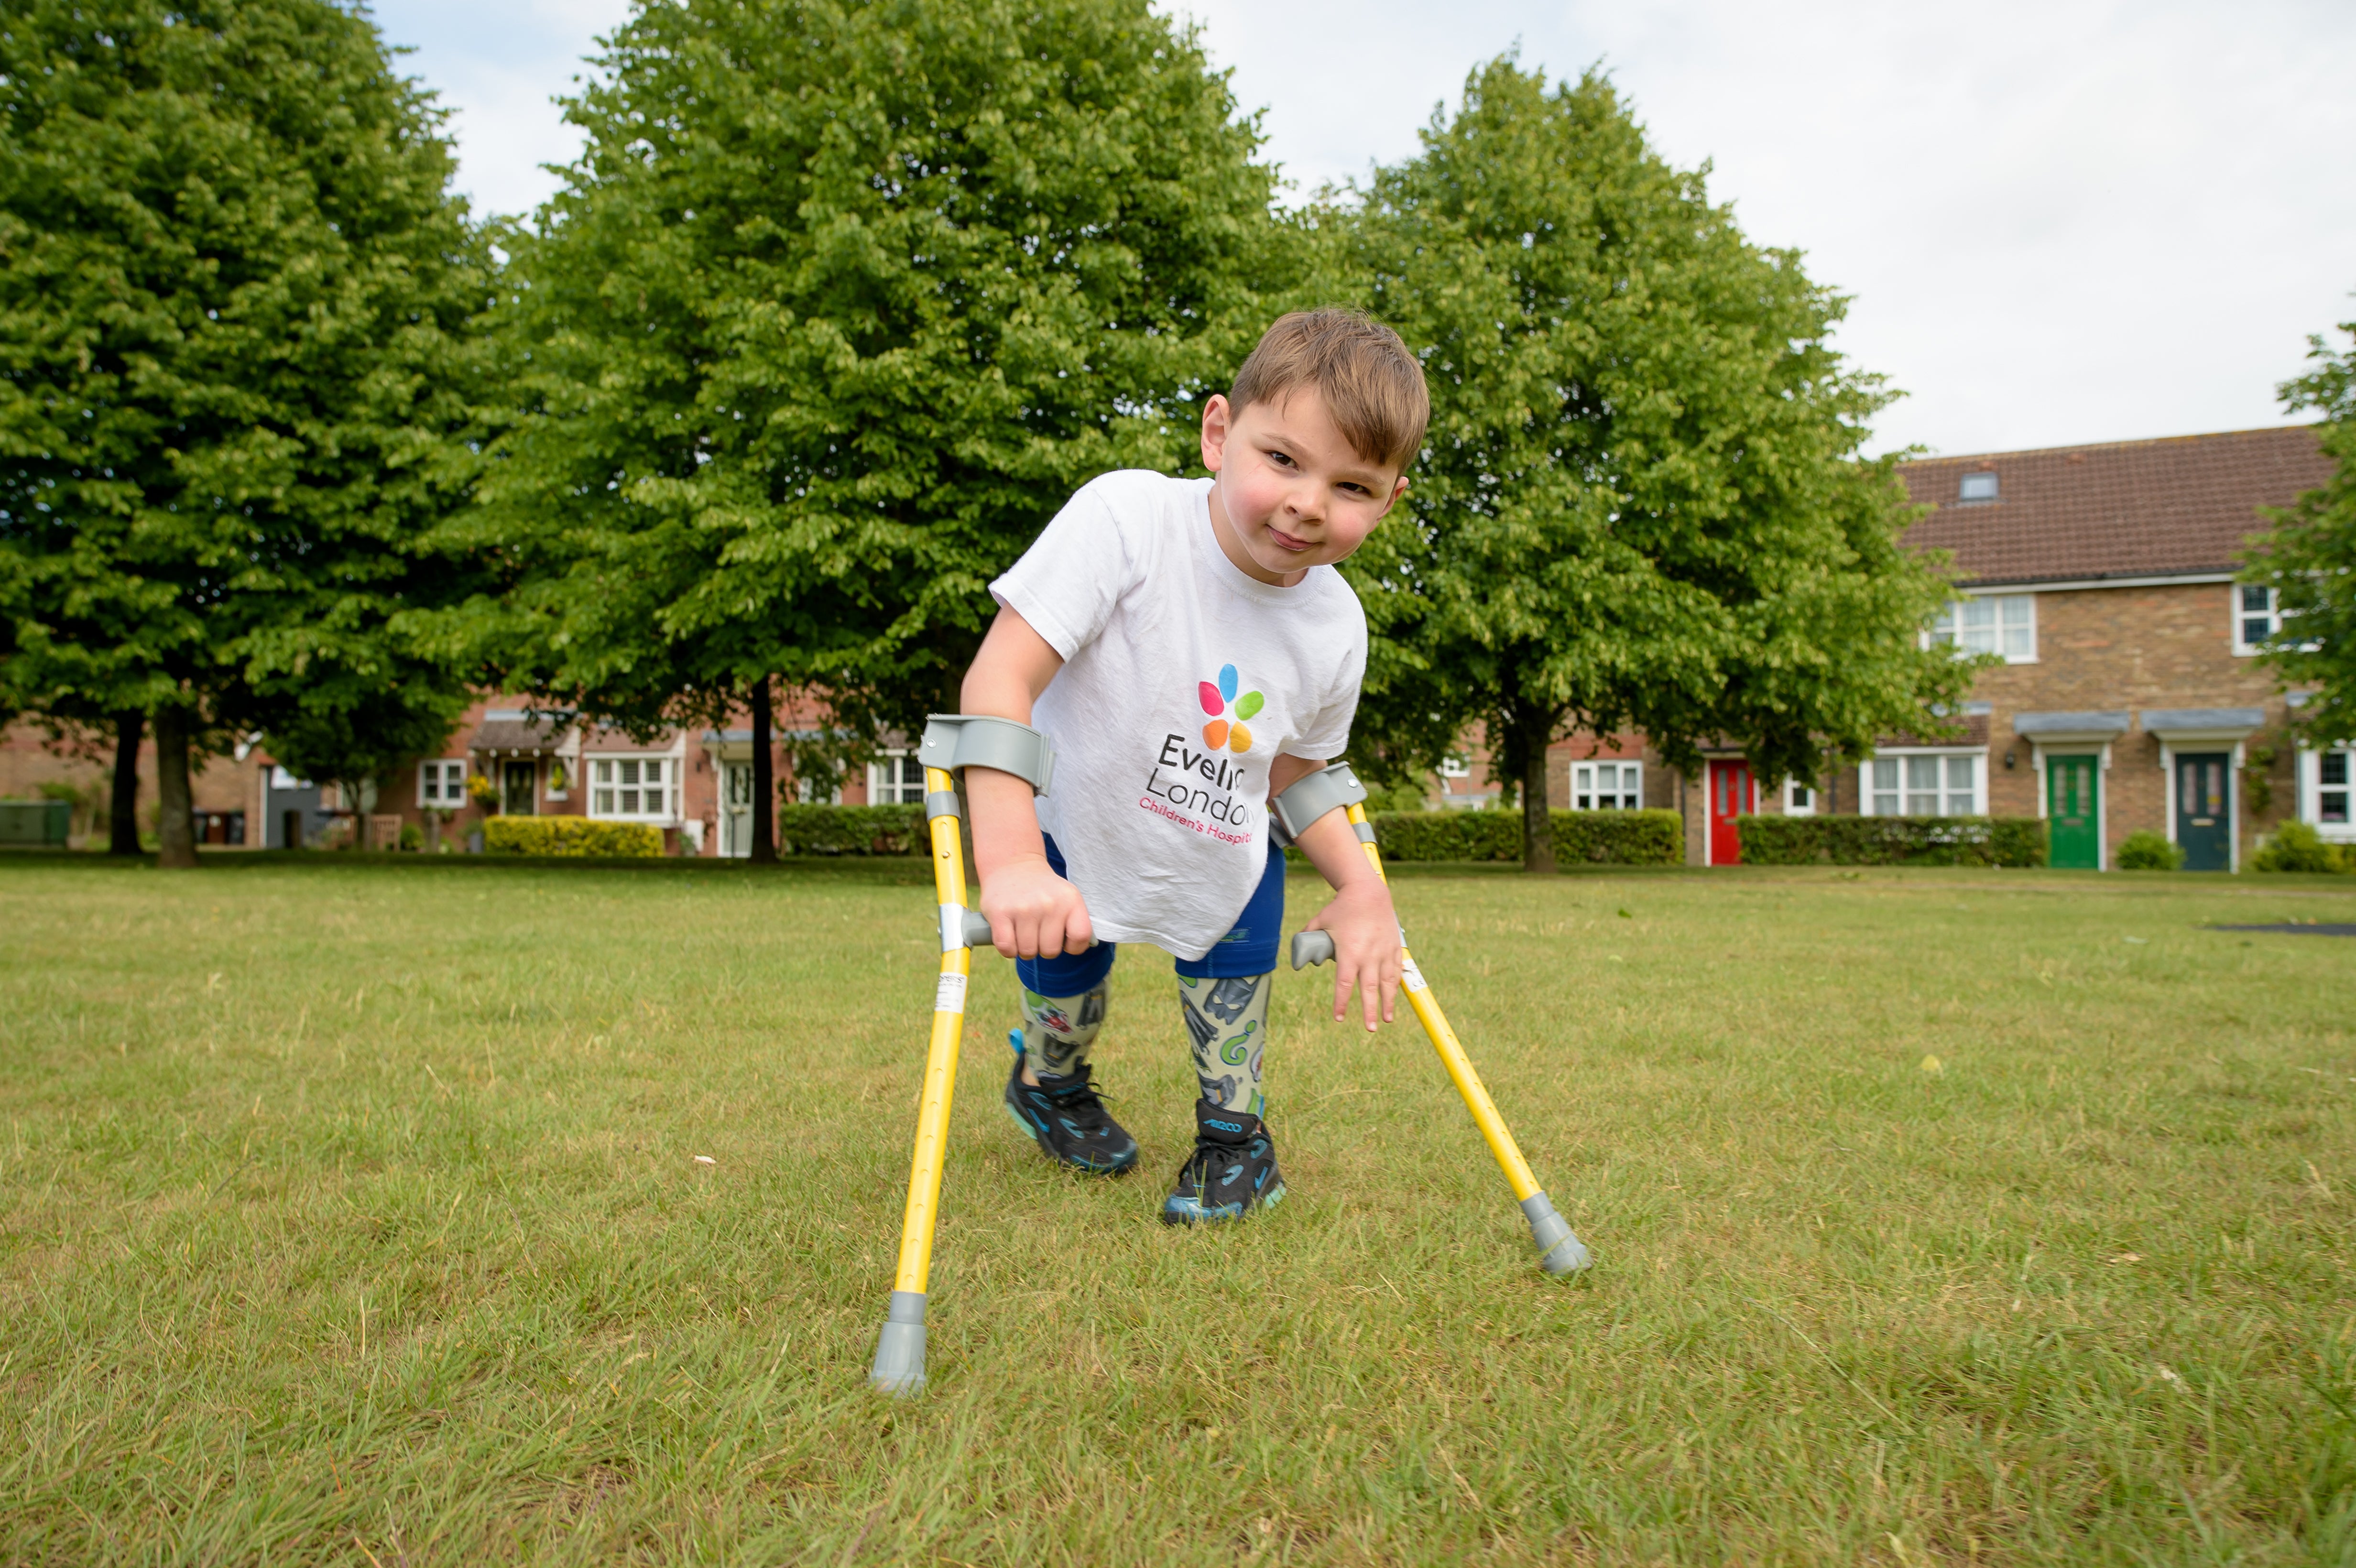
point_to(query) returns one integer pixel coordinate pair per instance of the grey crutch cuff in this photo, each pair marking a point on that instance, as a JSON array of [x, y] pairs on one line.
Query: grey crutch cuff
[[957, 740], [1330, 788]]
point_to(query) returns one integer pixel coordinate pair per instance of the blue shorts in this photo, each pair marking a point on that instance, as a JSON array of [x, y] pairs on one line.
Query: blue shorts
[[1250, 949]]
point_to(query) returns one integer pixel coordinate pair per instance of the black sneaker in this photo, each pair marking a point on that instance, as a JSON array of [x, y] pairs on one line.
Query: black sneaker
[[1231, 1172], [1064, 1114]]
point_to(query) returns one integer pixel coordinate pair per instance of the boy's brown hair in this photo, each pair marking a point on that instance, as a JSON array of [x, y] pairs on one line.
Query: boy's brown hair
[[1371, 387]]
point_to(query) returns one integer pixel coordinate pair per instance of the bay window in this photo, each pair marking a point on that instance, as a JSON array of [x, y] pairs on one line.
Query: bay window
[[633, 789], [1607, 786], [2004, 623], [1923, 783], [895, 778], [441, 784]]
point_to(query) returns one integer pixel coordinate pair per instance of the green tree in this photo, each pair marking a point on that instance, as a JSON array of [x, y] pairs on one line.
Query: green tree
[[1641, 505], [235, 307], [842, 302], [2309, 558]]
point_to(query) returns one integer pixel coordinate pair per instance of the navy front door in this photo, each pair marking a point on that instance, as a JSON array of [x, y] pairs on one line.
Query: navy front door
[[2204, 809]]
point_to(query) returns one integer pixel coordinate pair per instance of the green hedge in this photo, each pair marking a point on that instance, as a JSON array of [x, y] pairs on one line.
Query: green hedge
[[1893, 841], [852, 829], [1598, 837], [1591, 838], [570, 835]]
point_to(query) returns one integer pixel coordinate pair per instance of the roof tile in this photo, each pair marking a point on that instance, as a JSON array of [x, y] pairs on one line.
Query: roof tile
[[2177, 507]]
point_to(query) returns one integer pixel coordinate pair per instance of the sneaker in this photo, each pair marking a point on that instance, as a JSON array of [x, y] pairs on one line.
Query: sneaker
[[1231, 1172], [1064, 1114]]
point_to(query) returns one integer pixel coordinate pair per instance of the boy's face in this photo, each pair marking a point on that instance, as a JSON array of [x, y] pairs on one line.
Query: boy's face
[[1291, 492]]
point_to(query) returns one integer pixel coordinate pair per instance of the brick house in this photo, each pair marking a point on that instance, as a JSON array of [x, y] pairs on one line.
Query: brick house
[[695, 784], [2130, 696]]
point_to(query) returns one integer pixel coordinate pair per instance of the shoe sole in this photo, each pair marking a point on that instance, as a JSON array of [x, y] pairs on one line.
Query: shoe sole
[[1224, 1213], [1084, 1167]]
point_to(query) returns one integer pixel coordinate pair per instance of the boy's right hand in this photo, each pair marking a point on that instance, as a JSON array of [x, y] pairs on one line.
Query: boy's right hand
[[1034, 913]]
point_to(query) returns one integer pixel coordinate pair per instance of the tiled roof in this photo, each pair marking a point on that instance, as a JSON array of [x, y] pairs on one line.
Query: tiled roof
[[2177, 507], [518, 736]]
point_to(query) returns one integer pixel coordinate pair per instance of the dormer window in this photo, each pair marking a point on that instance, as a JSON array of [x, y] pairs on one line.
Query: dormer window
[[1976, 487]]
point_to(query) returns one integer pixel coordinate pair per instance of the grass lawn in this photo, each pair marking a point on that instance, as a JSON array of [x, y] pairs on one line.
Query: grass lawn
[[352, 1214]]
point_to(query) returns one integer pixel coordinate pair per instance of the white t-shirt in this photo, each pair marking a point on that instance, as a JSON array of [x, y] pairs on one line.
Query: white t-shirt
[[1183, 679]]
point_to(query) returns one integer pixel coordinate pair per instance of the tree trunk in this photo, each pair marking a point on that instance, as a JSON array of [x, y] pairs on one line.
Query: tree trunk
[[122, 819], [764, 781], [1538, 827], [176, 835]]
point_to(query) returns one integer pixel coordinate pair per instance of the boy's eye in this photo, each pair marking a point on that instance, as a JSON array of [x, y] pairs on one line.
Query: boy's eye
[[1284, 458]]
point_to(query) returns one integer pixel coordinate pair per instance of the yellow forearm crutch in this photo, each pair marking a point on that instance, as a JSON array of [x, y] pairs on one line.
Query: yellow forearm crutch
[[951, 742], [1559, 1251]]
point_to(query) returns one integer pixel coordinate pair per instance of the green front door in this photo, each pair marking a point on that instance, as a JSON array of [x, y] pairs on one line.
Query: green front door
[[2074, 813], [2204, 809]]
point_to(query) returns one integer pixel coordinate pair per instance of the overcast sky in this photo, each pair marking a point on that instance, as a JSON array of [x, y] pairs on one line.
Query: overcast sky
[[2060, 221]]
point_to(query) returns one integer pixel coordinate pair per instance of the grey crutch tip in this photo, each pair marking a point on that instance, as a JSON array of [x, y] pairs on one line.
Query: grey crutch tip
[[900, 1354], [899, 1361], [1559, 1251]]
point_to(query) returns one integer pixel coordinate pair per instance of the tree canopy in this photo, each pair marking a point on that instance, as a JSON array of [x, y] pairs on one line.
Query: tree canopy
[[1642, 504], [2309, 559], [842, 302], [235, 307]]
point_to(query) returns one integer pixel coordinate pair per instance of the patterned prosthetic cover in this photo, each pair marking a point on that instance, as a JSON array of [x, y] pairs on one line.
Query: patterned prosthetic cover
[[1227, 1021], [1058, 1031]]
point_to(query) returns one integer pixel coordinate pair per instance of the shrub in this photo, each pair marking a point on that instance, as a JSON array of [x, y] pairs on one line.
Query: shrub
[[570, 835], [1580, 838], [1893, 841], [852, 829], [413, 837], [2149, 851], [2297, 847]]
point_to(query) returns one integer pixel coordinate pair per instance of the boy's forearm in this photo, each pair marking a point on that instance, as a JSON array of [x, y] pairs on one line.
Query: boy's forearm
[[1331, 845], [1014, 667], [1005, 821]]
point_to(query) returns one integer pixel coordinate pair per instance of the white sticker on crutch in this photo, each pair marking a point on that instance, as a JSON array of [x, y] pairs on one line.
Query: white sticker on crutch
[[948, 997], [1412, 978]]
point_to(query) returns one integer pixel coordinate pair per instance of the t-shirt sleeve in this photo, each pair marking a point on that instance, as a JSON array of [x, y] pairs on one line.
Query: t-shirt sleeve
[[1325, 733], [1068, 583]]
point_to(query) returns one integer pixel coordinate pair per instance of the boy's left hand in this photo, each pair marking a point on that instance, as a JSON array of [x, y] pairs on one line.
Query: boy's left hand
[[1366, 935]]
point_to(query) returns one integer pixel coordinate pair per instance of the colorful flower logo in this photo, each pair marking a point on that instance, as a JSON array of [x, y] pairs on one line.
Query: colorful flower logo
[[1222, 731]]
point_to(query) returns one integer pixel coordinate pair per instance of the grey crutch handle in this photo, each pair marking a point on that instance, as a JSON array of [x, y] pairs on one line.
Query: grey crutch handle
[[976, 929], [1312, 947]]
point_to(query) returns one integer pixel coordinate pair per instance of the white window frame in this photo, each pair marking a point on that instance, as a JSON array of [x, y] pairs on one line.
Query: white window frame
[[807, 792], [1455, 768], [2237, 608], [880, 792], [1946, 625], [2311, 788], [1866, 793], [606, 787], [1627, 793], [450, 773], [1801, 797]]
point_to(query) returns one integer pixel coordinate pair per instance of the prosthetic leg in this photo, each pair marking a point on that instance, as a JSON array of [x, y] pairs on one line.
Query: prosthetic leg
[[951, 742], [1336, 787]]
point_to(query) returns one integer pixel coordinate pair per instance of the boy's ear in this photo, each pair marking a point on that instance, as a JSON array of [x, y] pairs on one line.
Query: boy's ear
[[1399, 489], [1218, 422]]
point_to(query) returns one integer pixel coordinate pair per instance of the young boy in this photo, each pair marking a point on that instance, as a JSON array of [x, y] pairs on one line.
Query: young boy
[[1189, 649]]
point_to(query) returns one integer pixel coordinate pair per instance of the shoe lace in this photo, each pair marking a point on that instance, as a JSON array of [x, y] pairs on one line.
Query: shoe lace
[[1080, 1099]]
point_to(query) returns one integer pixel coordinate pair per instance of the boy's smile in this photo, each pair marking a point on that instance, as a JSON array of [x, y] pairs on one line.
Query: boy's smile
[[1291, 492]]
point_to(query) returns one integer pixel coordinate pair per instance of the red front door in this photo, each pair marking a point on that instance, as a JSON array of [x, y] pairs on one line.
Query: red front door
[[1732, 793]]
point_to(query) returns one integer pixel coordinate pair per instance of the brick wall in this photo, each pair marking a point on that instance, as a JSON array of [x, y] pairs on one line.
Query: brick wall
[[2133, 648]]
